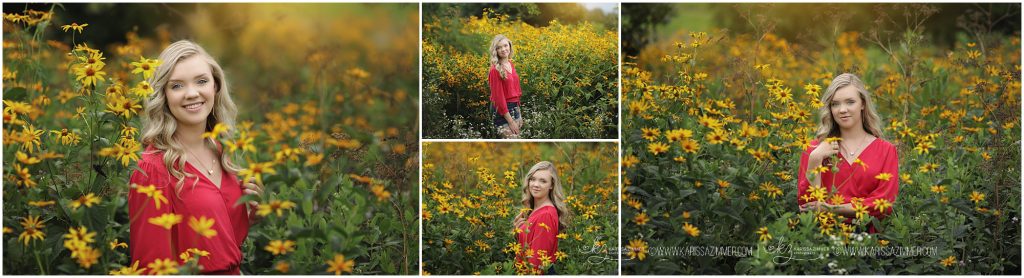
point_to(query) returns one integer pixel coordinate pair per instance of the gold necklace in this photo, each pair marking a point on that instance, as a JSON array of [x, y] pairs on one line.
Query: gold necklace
[[208, 170], [861, 145]]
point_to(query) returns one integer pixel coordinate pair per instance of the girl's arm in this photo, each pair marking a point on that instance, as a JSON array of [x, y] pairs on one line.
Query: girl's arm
[[846, 210], [886, 189], [148, 199], [543, 238], [497, 92], [812, 159], [801, 178]]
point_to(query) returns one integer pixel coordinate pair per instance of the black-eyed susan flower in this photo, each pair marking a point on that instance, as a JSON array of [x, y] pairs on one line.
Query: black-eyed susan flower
[[163, 267], [26, 159], [275, 206], [145, 66], [202, 226], [977, 197], [379, 191], [650, 134], [165, 221], [691, 230], [257, 170], [637, 249], [763, 235], [883, 176], [74, 26], [882, 204], [89, 75], [87, 256], [126, 151], [690, 146], [282, 267], [33, 229], [193, 253], [24, 178], [87, 200], [114, 244], [142, 89], [339, 264], [31, 138], [65, 137], [217, 130], [716, 137], [153, 193], [948, 261], [129, 270], [280, 247], [657, 148]]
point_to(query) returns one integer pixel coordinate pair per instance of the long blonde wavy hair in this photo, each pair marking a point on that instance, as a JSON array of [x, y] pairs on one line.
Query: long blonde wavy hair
[[556, 194], [827, 126], [494, 54], [159, 125]]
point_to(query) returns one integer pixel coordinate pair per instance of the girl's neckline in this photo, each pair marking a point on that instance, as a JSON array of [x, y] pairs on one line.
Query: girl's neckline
[[207, 178], [542, 207], [850, 160]]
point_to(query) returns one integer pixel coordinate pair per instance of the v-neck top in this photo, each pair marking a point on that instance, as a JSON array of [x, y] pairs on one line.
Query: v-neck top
[[861, 180], [206, 178], [539, 234], [197, 198]]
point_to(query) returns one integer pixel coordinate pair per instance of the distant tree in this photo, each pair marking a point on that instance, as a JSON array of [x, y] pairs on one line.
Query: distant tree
[[639, 21]]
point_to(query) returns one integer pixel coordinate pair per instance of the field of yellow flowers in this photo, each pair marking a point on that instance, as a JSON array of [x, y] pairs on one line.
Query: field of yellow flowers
[[471, 194], [714, 123], [340, 181], [569, 77]]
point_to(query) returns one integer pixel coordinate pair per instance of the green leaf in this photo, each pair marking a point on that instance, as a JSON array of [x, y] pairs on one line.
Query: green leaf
[[15, 94], [247, 198]]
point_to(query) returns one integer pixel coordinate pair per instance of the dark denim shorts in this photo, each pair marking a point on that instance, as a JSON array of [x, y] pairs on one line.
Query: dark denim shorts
[[513, 109]]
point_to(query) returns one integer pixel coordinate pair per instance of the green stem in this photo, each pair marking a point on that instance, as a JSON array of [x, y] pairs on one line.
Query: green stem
[[42, 270]]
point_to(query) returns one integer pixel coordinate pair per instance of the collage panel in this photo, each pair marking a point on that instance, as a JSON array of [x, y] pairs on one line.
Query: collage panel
[[512, 208], [203, 139], [520, 70], [797, 139]]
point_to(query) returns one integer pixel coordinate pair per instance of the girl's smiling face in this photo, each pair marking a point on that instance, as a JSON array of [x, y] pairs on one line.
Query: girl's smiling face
[[540, 184], [846, 107], [504, 48], [190, 91]]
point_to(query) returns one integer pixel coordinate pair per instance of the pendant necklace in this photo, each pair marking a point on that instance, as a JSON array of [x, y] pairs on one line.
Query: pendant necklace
[[861, 146], [208, 170]]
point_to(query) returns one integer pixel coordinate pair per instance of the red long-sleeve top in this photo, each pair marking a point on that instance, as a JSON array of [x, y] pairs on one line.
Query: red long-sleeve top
[[149, 242], [861, 181], [504, 90], [539, 234]]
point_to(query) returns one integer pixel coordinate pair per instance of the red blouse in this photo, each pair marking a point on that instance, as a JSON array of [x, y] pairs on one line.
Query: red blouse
[[149, 242], [861, 181], [540, 235], [504, 91]]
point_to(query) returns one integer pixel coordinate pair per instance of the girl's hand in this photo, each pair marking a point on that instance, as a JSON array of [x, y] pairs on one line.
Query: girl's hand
[[519, 220], [514, 126], [251, 188], [824, 149]]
